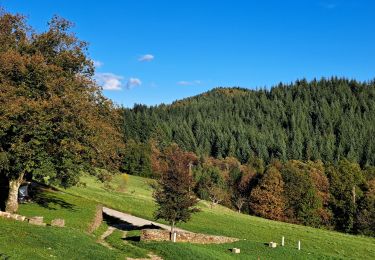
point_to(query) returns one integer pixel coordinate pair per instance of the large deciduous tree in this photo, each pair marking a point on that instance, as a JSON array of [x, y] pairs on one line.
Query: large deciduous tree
[[346, 187], [175, 200], [54, 120], [267, 198]]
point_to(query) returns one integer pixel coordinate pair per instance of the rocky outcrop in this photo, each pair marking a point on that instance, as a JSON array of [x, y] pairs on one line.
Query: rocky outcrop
[[165, 235]]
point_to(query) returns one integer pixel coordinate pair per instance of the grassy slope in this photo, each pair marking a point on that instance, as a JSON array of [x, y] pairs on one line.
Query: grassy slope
[[23, 241], [316, 243], [77, 206]]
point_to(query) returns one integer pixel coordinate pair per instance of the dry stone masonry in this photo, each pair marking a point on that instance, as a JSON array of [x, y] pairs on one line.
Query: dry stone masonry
[[39, 221], [12, 216], [164, 235]]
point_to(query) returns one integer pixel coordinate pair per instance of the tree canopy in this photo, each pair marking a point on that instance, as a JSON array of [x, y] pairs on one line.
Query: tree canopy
[[55, 122], [327, 119]]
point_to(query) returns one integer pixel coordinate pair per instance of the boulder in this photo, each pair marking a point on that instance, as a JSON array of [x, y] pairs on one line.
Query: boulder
[[272, 244], [37, 221], [59, 222], [236, 250]]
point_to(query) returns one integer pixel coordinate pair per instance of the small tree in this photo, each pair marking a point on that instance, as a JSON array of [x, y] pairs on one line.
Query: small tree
[[175, 201]]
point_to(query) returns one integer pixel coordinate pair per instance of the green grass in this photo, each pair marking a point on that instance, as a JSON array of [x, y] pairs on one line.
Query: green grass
[[78, 212], [116, 240], [316, 243], [136, 200], [20, 240], [77, 205]]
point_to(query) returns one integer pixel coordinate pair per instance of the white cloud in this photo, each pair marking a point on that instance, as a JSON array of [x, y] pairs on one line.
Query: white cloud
[[97, 63], [183, 83], [146, 57], [189, 83], [328, 5], [133, 82], [109, 81]]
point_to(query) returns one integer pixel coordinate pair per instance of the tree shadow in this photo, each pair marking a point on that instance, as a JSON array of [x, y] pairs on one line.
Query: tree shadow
[[48, 200], [3, 192]]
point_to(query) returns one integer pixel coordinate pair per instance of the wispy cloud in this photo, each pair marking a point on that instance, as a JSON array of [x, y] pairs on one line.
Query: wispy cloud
[[133, 82], [146, 57], [109, 81], [97, 63], [328, 5], [189, 83]]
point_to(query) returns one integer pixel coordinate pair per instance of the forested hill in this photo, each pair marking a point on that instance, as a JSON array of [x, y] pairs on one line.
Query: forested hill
[[326, 119]]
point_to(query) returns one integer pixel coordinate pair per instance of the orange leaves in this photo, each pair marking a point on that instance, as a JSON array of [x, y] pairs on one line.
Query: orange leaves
[[50, 107]]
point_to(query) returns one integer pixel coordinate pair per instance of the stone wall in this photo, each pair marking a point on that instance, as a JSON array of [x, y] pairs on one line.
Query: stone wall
[[12, 216], [164, 235], [95, 223]]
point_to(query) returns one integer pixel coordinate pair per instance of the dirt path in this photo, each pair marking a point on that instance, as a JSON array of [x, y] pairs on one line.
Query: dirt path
[[102, 238], [136, 221]]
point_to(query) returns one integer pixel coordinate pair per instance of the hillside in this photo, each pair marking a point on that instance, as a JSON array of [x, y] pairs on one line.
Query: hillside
[[77, 206], [327, 119]]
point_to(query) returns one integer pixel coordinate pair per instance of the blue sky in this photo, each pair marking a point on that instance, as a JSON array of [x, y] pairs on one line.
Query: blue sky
[[154, 52]]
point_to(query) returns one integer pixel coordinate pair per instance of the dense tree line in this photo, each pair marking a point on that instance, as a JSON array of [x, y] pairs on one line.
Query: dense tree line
[[327, 119], [337, 196], [299, 153]]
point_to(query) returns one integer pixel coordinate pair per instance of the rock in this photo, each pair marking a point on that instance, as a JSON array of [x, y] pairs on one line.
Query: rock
[[272, 244], [21, 218], [236, 250], [5, 214], [59, 222], [12, 216], [37, 221]]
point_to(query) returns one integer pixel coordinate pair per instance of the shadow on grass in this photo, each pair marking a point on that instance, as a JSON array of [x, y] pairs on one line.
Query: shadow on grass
[[126, 226], [48, 200]]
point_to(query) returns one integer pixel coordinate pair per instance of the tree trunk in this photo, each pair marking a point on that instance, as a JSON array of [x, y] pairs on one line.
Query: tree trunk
[[353, 193], [11, 204], [172, 230]]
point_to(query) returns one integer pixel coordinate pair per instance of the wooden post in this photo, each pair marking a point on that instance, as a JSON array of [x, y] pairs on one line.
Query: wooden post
[[299, 245], [282, 241]]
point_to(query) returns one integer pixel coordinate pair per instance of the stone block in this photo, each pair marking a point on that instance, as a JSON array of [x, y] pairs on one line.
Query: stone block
[[272, 244], [5, 214], [236, 250], [37, 221], [59, 222], [13, 216], [21, 218]]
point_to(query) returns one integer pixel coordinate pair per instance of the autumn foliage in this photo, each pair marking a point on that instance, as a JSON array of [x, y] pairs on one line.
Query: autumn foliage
[[55, 122]]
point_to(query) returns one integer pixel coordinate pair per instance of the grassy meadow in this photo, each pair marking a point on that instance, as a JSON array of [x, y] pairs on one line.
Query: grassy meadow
[[77, 206]]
